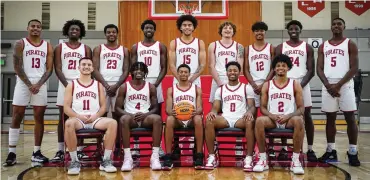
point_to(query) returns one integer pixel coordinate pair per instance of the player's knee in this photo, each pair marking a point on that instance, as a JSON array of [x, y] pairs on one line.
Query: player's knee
[[209, 124], [198, 121], [298, 121], [157, 120], [170, 121], [70, 123], [125, 119], [260, 122], [112, 123], [249, 125]]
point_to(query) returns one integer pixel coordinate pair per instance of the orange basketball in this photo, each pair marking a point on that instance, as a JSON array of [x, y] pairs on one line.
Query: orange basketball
[[184, 111]]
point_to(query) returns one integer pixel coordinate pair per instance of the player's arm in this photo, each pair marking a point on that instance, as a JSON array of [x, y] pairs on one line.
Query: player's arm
[[163, 64], [18, 62], [272, 72], [125, 68], [212, 63], [199, 110], [247, 72], [67, 106], [96, 63], [298, 95], [216, 106], [154, 107], [202, 61], [172, 58], [250, 101], [133, 54], [58, 65], [169, 102], [353, 63], [88, 51], [264, 100], [49, 66], [120, 100], [320, 66], [102, 102], [240, 57], [310, 64]]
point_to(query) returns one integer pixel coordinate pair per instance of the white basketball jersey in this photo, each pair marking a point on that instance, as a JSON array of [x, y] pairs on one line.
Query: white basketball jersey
[[234, 102], [70, 58], [336, 59], [298, 56], [224, 55], [281, 100], [151, 56], [187, 53], [85, 99], [34, 58], [188, 95], [259, 62], [111, 62], [137, 100]]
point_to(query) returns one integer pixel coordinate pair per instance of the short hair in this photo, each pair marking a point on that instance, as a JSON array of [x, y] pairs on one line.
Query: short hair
[[141, 66], [282, 58], [227, 23], [69, 23], [183, 18], [233, 63], [110, 26], [338, 18], [85, 58], [294, 22], [33, 20], [185, 66], [148, 21], [260, 25]]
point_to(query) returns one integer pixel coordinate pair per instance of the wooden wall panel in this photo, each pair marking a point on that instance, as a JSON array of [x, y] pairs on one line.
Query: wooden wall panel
[[132, 13]]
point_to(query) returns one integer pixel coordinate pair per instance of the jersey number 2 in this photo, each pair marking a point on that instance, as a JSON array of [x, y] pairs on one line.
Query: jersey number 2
[[35, 62], [111, 64], [86, 105], [281, 106]]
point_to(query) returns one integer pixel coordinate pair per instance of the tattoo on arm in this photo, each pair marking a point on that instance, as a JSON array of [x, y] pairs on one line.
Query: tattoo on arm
[[240, 51], [18, 63]]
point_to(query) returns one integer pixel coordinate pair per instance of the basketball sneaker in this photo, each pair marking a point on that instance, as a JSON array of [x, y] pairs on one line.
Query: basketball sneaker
[[198, 164], [107, 166], [283, 155], [155, 164], [271, 154], [296, 166], [211, 162], [167, 164], [311, 156], [59, 156], [38, 157], [82, 155], [248, 164], [329, 157], [353, 159], [128, 164], [261, 165], [11, 160], [74, 168]]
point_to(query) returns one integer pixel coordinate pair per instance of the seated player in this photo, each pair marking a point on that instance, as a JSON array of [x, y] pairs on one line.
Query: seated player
[[237, 104], [184, 91], [282, 107], [84, 104], [137, 105]]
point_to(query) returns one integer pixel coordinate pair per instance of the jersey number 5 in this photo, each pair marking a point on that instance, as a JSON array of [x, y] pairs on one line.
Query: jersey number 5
[[333, 61], [187, 59], [35, 62], [281, 106], [111, 64]]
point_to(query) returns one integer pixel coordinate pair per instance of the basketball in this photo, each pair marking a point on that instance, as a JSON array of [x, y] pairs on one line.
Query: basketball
[[184, 110]]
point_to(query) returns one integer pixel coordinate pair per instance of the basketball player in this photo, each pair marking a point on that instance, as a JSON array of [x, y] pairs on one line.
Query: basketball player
[[337, 64], [184, 91], [220, 53], [302, 56], [282, 107], [237, 104], [66, 57], [137, 105], [84, 104], [187, 50], [33, 64]]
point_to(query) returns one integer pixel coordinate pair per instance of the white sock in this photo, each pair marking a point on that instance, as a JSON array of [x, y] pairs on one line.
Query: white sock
[[155, 150], [352, 149], [295, 155], [107, 154], [13, 139], [73, 155], [61, 146], [309, 147], [211, 155], [330, 147], [127, 152], [263, 156], [80, 148], [12, 149], [36, 148]]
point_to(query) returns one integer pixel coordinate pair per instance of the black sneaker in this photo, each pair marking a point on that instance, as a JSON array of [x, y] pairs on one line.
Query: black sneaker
[[353, 159], [176, 153], [167, 164], [329, 157], [38, 157], [271, 154], [82, 155], [198, 164], [283, 155], [11, 160], [59, 156], [311, 156]]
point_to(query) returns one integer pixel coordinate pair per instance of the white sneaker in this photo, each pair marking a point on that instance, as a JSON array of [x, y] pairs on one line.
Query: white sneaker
[[74, 168], [155, 164], [107, 166], [296, 166], [211, 162], [128, 164], [248, 164], [261, 166]]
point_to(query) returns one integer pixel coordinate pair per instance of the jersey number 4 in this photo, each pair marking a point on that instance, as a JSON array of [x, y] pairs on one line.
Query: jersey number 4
[[137, 106], [35, 62], [86, 105], [112, 64]]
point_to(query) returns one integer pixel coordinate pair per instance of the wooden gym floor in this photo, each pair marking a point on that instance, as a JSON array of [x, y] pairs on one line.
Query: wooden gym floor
[[338, 171]]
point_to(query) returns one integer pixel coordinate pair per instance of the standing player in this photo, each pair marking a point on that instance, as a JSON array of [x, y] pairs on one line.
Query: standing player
[[187, 50], [111, 62], [137, 105], [33, 64], [337, 64], [220, 53], [66, 57], [84, 104], [237, 104], [184, 91], [302, 56], [282, 107], [257, 66]]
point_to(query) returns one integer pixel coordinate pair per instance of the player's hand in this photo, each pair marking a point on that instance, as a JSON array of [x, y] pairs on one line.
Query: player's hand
[[82, 118], [35, 88], [258, 89], [196, 112], [282, 119], [219, 83], [112, 90], [174, 112], [248, 116], [211, 116], [91, 118], [274, 117], [139, 116], [333, 90]]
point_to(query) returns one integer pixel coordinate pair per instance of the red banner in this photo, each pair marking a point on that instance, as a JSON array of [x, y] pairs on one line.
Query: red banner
[[358, 6], [311, 7]]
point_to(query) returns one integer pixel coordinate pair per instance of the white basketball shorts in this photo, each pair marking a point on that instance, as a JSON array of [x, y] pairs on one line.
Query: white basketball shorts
[[346, 101], [23, 96]]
